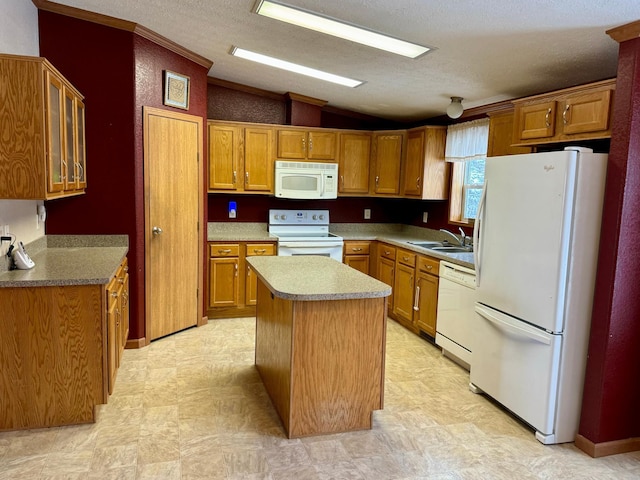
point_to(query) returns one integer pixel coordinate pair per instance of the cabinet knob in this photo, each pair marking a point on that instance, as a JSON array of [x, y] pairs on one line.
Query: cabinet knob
[[547, 117], [406, 259], [356, 249], [114, 294], [429, 267], [157, 231], [224, 251]]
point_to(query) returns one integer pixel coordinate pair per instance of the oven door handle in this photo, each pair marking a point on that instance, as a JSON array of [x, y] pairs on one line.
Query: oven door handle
[[309, 244]]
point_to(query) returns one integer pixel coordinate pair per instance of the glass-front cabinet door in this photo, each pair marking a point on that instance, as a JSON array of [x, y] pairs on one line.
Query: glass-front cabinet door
[[69, 162], [81, 158], [55, 163]]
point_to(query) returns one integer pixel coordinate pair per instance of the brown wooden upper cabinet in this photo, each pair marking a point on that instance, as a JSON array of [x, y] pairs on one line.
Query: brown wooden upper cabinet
[[297, 144], [43, 131], [353, 163], [240, 158], [426, 174], [501, 135], [576, 113], [387, 151]]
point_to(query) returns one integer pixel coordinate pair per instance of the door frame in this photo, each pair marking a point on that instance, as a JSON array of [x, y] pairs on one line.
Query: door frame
[[147, 112]]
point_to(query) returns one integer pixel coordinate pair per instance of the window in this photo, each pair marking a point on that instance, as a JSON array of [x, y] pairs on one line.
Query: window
[[467, 148], [472, 187]]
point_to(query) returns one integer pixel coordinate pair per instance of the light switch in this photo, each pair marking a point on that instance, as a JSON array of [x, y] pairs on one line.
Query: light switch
[[367, 213], [425, 216], [232, 210]]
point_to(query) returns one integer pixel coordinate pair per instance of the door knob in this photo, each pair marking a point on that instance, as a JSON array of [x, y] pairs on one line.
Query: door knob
[[157, 231]]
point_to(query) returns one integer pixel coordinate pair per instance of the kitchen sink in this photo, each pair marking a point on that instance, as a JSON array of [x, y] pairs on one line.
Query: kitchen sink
[[427, 244], [451, 249], [442, 247]]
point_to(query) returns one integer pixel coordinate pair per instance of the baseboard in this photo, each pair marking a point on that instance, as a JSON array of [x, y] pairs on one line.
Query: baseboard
[[136, 343], [231, 312], [203, 321], [603, 449]]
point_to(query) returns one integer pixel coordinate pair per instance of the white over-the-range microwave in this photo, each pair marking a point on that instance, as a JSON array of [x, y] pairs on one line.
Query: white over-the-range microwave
[[306, 180]]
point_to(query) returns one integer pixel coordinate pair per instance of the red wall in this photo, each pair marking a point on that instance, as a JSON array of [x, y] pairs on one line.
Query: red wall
[[612, 387], [118, 72], [255, 208]]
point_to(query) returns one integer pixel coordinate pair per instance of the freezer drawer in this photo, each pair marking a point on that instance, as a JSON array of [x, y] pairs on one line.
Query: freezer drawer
[[517, 365]]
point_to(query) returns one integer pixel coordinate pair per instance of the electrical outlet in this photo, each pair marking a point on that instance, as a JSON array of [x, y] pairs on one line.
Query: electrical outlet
[[425, 216], [367, 213]]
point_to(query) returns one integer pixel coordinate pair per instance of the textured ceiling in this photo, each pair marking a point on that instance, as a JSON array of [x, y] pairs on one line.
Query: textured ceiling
[[485, 51]]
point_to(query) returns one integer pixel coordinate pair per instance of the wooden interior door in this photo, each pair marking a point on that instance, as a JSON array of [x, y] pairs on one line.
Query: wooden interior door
[[173, 210]]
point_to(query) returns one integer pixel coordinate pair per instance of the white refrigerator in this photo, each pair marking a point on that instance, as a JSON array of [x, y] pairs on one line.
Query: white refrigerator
[[536, 237]]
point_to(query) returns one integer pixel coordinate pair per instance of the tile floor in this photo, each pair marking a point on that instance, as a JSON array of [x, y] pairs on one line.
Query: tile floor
[[192, 406]]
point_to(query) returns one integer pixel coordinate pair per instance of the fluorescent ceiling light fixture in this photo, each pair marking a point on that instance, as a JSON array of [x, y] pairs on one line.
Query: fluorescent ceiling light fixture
[[322, 24], [294, 67]]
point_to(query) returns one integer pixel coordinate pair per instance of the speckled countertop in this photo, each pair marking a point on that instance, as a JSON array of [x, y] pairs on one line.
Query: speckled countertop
[[70, 260], [315, 278], [394, 234]]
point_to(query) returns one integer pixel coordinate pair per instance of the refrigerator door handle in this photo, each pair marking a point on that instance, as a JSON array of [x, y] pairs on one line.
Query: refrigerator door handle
[[477, 226], [523, 332]]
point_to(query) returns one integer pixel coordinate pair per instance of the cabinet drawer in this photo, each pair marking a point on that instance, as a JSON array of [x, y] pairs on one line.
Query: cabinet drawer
[[387, 251], [254, 249], [356, 248], [407, 258], [429, 265], [224, 250]]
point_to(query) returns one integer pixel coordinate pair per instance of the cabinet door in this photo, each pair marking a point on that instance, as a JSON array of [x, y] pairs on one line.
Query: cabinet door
[[414, 164], [386, 269], [112, 334], [81, 156], [426, 303], [124, 311], [223, 282], [359, 262], [292, 144], [586, 113], [251, 281], [55, 130], [69, 160], [225, 143], [535, 120], [258, 159], [501, 136], [403, 294], [388, 155], [322, 145], [353, 162]]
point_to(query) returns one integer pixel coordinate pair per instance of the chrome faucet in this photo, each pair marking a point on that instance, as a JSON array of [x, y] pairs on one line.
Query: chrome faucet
[[461, 242]]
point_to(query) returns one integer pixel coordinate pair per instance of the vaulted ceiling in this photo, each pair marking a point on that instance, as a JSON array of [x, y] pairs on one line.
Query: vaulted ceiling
[[484, 51]]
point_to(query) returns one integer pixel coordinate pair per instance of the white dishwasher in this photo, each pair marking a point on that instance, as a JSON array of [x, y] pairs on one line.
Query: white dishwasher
[[456, 302]]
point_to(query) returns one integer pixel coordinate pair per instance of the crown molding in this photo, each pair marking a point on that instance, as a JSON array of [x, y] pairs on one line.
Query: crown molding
[[120, 24]]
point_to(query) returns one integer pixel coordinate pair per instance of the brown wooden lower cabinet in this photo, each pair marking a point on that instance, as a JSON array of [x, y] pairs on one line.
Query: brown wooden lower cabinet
[[60, 349], [414, 278], [232, 284], [356, 255]]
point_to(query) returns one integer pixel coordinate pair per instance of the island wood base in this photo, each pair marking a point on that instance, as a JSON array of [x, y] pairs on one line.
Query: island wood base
[[322, 362]]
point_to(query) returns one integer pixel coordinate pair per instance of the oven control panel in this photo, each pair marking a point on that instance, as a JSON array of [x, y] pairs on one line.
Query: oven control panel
[[298, 217]]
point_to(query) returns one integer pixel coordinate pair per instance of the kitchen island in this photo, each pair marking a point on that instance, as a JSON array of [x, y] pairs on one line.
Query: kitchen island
[[320, 342]]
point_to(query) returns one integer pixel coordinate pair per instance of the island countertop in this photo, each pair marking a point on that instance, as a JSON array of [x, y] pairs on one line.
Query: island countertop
[[309, 277]]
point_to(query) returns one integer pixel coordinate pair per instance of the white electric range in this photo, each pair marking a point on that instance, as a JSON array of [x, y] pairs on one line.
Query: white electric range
[[304, 232]]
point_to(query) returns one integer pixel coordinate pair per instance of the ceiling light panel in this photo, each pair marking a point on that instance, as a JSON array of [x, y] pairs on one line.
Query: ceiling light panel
[[294, 67], [330, 26]]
